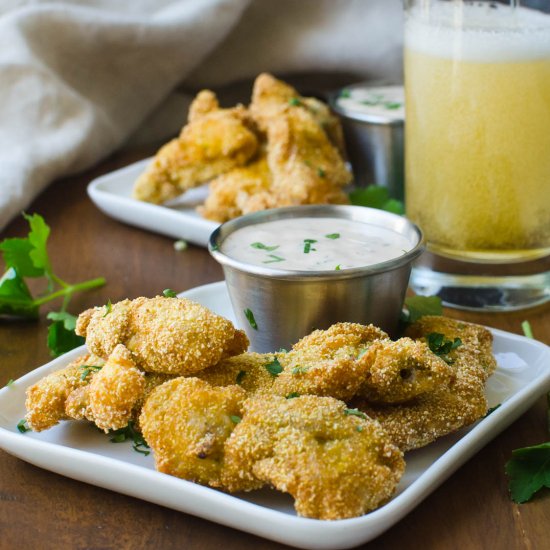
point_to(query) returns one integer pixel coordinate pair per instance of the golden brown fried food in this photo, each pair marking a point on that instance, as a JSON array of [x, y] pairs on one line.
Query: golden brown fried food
[[477, 341], [45, 402], [115, 390], [240, 191], [328, 362], [401, 370], [335, 464], [186, 422], [213, 142], [422, 420], [306, 167], [167, 335], [248, 370]]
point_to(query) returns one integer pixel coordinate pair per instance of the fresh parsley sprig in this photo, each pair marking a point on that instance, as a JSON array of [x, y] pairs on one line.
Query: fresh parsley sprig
[[28, 258], [376, 196]]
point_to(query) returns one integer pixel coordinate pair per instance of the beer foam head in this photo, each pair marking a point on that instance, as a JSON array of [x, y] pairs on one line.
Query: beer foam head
[[478, 32]]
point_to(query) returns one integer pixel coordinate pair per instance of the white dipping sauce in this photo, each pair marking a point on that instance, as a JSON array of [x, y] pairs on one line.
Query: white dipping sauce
[[314, 244]]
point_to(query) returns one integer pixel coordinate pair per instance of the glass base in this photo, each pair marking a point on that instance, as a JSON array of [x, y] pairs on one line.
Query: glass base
[[465, 285]]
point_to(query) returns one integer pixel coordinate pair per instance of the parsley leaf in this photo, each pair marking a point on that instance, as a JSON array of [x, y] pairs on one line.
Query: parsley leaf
[[376, 196], [528, 471], [87, 369], [274, 259], [274, 368], [262, 246], [250, 318], [355, 412], [292, 395], [61, 340], [240, 375], [22, 426], [307, 245], [418, 306], [235, 419], [333, 236], [442, 346], [28, 257], [130, 433], [169, 293]]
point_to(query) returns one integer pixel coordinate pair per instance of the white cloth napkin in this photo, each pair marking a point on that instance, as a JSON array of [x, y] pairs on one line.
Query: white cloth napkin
[[78, 78]]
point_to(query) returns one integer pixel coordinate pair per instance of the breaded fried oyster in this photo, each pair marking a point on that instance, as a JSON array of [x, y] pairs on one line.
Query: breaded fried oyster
[[167, 335], [306, 167], [421, 420], [213, 142], [328, 362], [186, 422], [334, 463], [45, 402]]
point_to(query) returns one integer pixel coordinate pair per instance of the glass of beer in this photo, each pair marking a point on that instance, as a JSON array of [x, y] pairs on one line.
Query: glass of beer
[[477, 149]]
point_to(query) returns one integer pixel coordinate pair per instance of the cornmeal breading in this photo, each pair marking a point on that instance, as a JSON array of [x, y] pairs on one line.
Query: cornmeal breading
[[213, 142], [186, 422], [336, 465], [446, 409], [45, 402], [248, 370], [167, 335]]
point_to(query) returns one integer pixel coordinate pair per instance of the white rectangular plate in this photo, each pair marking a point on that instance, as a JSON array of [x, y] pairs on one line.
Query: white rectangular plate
[[78, 450], [112, 194]]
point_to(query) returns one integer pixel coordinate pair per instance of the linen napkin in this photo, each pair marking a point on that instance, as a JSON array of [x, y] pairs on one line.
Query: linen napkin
[[78, 78]]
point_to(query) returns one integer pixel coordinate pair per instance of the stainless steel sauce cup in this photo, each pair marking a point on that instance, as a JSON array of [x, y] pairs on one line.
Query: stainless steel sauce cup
[[373, 128], [278, 307]]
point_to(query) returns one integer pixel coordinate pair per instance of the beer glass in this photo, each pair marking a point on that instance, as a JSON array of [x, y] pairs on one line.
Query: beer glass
[[477, 149]]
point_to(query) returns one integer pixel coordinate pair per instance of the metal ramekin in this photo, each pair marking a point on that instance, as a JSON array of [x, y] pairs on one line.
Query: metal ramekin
[[287, 305]]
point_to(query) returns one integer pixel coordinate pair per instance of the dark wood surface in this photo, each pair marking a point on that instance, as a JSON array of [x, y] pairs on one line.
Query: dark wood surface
[[42, 510]]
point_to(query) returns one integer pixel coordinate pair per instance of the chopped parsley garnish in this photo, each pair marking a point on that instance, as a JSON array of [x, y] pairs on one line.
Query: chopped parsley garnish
[[307, 245], [528, 471], [362, 352], [359, 428], [392, 104], [292, 395], [274, 367], [108, 308], [130, 433], [215, 246], [321, 172], [235, 419], [346, 92], [87, 369], [355, 412], [250, 318], [299, 370], [169, 293], [294, 101], [22, 426], [10, 382], [180, 246], [262, 246], [442, 346], [241, 374], [491, 410], [527, 330], [333, 236], [274, 259], [338, 268]]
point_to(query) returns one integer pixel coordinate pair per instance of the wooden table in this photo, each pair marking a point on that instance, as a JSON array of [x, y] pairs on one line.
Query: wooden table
[[42, 510]]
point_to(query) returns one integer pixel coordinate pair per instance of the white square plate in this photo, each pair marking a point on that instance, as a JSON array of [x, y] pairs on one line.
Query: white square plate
[[112, 194], [79, 451]]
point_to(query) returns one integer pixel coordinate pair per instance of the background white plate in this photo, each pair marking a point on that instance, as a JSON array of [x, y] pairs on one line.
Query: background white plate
[[112, 194], [78, 450]]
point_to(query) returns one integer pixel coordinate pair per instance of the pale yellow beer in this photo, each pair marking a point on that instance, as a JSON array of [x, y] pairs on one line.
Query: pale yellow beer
[[478, 132]]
